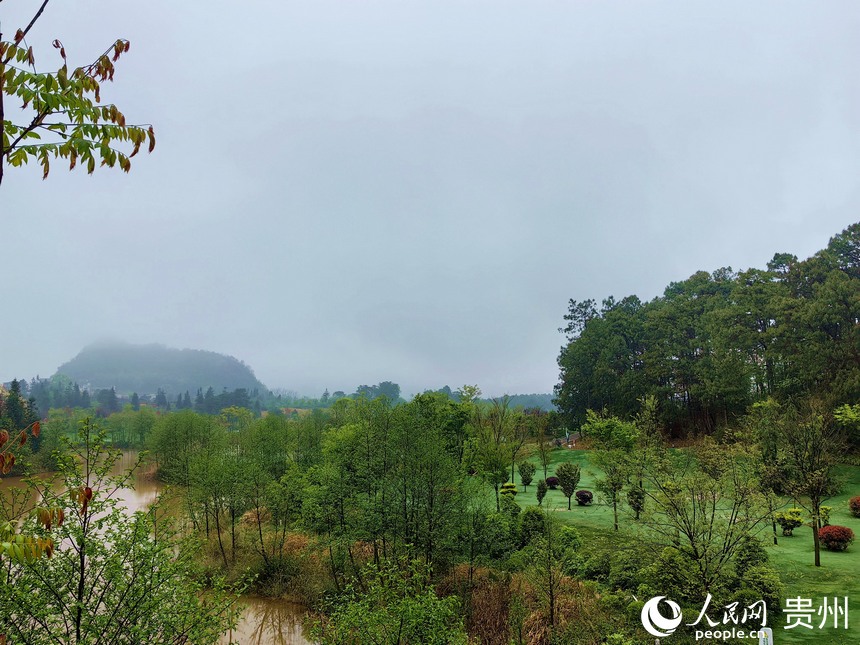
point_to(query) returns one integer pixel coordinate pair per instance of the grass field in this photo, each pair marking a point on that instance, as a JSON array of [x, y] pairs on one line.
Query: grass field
[[838, 576]]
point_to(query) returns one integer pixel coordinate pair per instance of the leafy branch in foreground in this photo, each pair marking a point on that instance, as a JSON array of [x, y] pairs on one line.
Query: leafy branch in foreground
[[67, 119], [114, 577]]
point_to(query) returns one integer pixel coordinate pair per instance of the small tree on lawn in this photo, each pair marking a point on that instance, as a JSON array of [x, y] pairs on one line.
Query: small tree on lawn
[[813, 446], [568, 478], [542, 489], [527, 472], [544, 449]]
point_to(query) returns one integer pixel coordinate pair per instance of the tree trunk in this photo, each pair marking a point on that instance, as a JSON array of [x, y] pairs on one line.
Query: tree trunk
[[815, 513], [615, 511]]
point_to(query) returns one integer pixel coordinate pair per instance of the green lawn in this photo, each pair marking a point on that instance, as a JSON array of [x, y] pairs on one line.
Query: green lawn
[[838, 576]]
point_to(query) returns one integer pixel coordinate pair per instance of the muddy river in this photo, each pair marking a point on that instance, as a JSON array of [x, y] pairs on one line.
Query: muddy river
[[264, 621]]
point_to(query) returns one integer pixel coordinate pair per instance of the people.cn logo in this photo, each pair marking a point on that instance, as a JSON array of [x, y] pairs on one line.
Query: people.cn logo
[[656, 623]]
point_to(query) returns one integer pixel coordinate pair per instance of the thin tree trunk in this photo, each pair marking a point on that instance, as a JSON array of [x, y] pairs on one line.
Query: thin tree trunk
[[220, 542]]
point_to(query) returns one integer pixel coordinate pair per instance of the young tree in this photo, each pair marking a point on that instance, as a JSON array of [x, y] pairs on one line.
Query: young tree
[[64, 116], [813, 447], [114, 577], [527, 473], [544, 450], [703, 506], [542, 489], [614, 440], [568, 478]]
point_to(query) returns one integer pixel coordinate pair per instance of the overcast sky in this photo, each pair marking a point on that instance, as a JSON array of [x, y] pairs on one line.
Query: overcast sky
[[345, 192]]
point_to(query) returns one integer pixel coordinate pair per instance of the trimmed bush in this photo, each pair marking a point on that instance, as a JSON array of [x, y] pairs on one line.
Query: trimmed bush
[[824, 515], [584, 497], [835, 538], [508, 489], [789, 520], [552, 482], [854, 506]]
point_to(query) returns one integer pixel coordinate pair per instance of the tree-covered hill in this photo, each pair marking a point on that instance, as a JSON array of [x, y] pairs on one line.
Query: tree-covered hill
[[717, 342], [146, 368]]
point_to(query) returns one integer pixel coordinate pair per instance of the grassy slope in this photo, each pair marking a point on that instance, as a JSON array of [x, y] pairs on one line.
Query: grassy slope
[[838, 576]]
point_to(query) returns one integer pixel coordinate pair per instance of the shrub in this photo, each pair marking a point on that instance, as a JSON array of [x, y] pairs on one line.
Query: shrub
[[854, 506], [835, 538], [789, 520], [509, 506], [584, 497], [508, 489], [636, 500], [552, 482], [761, 582], [569, 538], [750, 553], [824, 515], [532, 524]]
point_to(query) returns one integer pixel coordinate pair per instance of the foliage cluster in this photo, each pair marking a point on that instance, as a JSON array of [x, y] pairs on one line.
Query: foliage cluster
[[835, 538]]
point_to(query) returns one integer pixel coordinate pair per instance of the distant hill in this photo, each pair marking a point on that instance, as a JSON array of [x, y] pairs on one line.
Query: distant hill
[[145, 368]]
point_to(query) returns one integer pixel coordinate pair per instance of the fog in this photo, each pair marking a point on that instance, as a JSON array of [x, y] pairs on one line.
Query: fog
[[349, 192]]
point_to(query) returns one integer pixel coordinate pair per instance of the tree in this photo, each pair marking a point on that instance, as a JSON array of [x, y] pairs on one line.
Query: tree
[[64, 107], [703, 505], [542, 489], [544, 450], [614, 441], [527, 472], [491, 447], [568, 478], [114, 577], [813, 446]]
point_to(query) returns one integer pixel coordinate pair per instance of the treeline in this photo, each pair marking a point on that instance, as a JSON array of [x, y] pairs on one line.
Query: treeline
[[715, 343]]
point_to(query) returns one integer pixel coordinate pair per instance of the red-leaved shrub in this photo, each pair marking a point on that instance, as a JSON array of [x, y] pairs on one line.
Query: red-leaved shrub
[[584, 497], [854, 506], [835, 538]]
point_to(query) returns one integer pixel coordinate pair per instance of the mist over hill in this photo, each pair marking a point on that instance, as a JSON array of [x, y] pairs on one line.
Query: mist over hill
[[146, 368]]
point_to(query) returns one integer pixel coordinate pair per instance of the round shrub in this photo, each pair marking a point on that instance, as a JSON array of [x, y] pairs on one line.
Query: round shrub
[[584, 497], [789, 520], [824, 515], [835, 538], [552, 482], [854, 506]]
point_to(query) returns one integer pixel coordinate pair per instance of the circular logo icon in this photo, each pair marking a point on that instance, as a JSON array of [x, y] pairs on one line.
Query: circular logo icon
[[656, 623]]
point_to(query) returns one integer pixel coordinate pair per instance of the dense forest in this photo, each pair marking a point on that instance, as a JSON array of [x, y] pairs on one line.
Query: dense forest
[[717, 342]]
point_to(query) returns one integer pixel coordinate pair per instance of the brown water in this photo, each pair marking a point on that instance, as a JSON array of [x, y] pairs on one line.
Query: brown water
[[264, 621]]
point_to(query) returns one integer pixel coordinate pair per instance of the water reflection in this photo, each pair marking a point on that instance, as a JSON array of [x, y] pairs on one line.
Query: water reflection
[[266, 621]]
